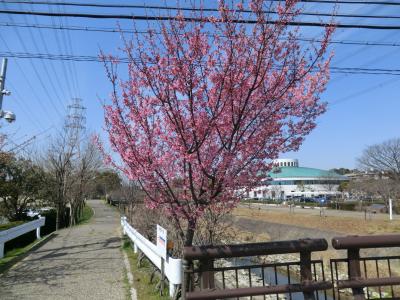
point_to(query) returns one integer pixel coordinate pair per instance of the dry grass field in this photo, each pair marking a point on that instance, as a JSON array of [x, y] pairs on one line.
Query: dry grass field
[[345, 225]]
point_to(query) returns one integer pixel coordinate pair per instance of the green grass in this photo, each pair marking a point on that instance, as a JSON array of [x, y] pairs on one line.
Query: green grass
[[12, 254], [87, 214], [10, 225], [141, 276]]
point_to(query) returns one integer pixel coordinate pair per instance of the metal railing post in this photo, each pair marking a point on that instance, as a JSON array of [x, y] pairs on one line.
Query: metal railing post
[[207, 280], [355, 271], [357, 281], [185, 278], [306, 273]]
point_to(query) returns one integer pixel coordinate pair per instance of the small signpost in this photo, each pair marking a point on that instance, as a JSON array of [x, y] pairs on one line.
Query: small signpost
[[162, 250]]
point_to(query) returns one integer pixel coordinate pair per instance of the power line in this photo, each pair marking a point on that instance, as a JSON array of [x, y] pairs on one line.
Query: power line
[[158, 7], [63, 67], [89, 58], [364, 91], [34, 69], [57, 78], [122, 30], [192, 19], [349, 2], [44, 66], [25, 77], [17, 97], [68, 50], [71, 51], [27, 141]]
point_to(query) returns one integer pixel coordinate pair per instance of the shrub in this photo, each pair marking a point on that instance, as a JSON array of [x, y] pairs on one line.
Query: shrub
[[50, 224], [351, 206]]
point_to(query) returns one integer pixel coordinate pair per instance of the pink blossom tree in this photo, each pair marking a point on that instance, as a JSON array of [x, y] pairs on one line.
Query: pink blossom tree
[[209, 102]]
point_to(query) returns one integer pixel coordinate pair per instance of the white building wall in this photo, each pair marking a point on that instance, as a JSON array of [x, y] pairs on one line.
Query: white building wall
[[274, 191]]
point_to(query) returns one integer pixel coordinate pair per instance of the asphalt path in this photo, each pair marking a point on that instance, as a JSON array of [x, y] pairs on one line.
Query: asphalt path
[[82, 262]]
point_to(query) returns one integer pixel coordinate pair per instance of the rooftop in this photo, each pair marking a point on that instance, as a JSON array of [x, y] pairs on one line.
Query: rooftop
[[290, 172]]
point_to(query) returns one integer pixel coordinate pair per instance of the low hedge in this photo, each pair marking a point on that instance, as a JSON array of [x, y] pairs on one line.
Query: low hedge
[[350, 206]]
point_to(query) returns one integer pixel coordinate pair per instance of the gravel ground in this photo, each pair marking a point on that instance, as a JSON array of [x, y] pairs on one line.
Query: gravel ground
[[83, 262]]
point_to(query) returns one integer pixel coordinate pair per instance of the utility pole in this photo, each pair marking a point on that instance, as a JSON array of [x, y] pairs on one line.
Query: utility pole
[[8, 115], [3, 81]]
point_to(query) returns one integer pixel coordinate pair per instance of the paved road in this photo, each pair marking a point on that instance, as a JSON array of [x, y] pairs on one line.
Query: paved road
[[328, 212], [84, 262]]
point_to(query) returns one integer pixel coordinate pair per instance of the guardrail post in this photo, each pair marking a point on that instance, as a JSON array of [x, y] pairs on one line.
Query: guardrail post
[[123, 225], [1, 250], [38, 230], [355, 271], [38, 233], [306, 273], [162, 276]]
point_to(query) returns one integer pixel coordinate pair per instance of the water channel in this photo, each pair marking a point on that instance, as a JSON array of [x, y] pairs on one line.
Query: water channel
[[280, 278]]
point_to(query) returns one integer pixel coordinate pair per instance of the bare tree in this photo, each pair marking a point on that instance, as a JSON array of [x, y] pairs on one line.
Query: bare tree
[[382, 188], [58, 163], [384, 157], [84, 166]]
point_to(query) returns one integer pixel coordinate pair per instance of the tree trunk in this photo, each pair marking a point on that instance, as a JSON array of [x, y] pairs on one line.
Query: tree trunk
[[58, 216], [190, 233], [72, 215]]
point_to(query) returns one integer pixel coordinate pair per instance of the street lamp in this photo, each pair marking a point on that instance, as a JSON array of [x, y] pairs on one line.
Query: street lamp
[[9, 116]]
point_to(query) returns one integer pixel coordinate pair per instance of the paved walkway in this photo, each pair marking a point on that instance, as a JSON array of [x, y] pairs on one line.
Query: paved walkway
[[84, 262]]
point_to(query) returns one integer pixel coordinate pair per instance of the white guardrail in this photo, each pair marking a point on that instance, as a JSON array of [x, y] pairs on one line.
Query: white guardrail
[[172, 266], [12, 233]]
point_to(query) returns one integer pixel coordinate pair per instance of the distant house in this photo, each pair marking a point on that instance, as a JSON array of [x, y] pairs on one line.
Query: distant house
[[364, 175], [290, 181]]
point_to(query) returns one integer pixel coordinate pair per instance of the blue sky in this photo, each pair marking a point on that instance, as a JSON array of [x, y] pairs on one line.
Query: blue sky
[[363, 109]]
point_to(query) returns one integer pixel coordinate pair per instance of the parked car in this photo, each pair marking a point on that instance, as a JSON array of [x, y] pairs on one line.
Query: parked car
[[377, 208]]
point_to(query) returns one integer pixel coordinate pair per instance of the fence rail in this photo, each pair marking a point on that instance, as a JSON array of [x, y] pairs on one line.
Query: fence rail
[[12, 233], [172, 266], [368, 277], [200, 261]]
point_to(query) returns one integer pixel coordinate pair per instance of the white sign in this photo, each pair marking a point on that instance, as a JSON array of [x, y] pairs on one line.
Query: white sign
[[162, 241]]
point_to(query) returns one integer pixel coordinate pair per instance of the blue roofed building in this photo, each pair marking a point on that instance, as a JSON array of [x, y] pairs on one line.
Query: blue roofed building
[[290, 181]]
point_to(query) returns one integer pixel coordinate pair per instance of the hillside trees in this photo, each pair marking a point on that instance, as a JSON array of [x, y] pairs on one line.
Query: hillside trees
[[209, 102], [104, 182], [21, 183]]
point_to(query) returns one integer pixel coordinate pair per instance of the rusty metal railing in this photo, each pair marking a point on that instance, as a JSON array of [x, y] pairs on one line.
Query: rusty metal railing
[[367, 277], [203, 279]]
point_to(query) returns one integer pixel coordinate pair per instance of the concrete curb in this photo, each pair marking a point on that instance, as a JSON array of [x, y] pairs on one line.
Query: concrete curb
[[129, 274]]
